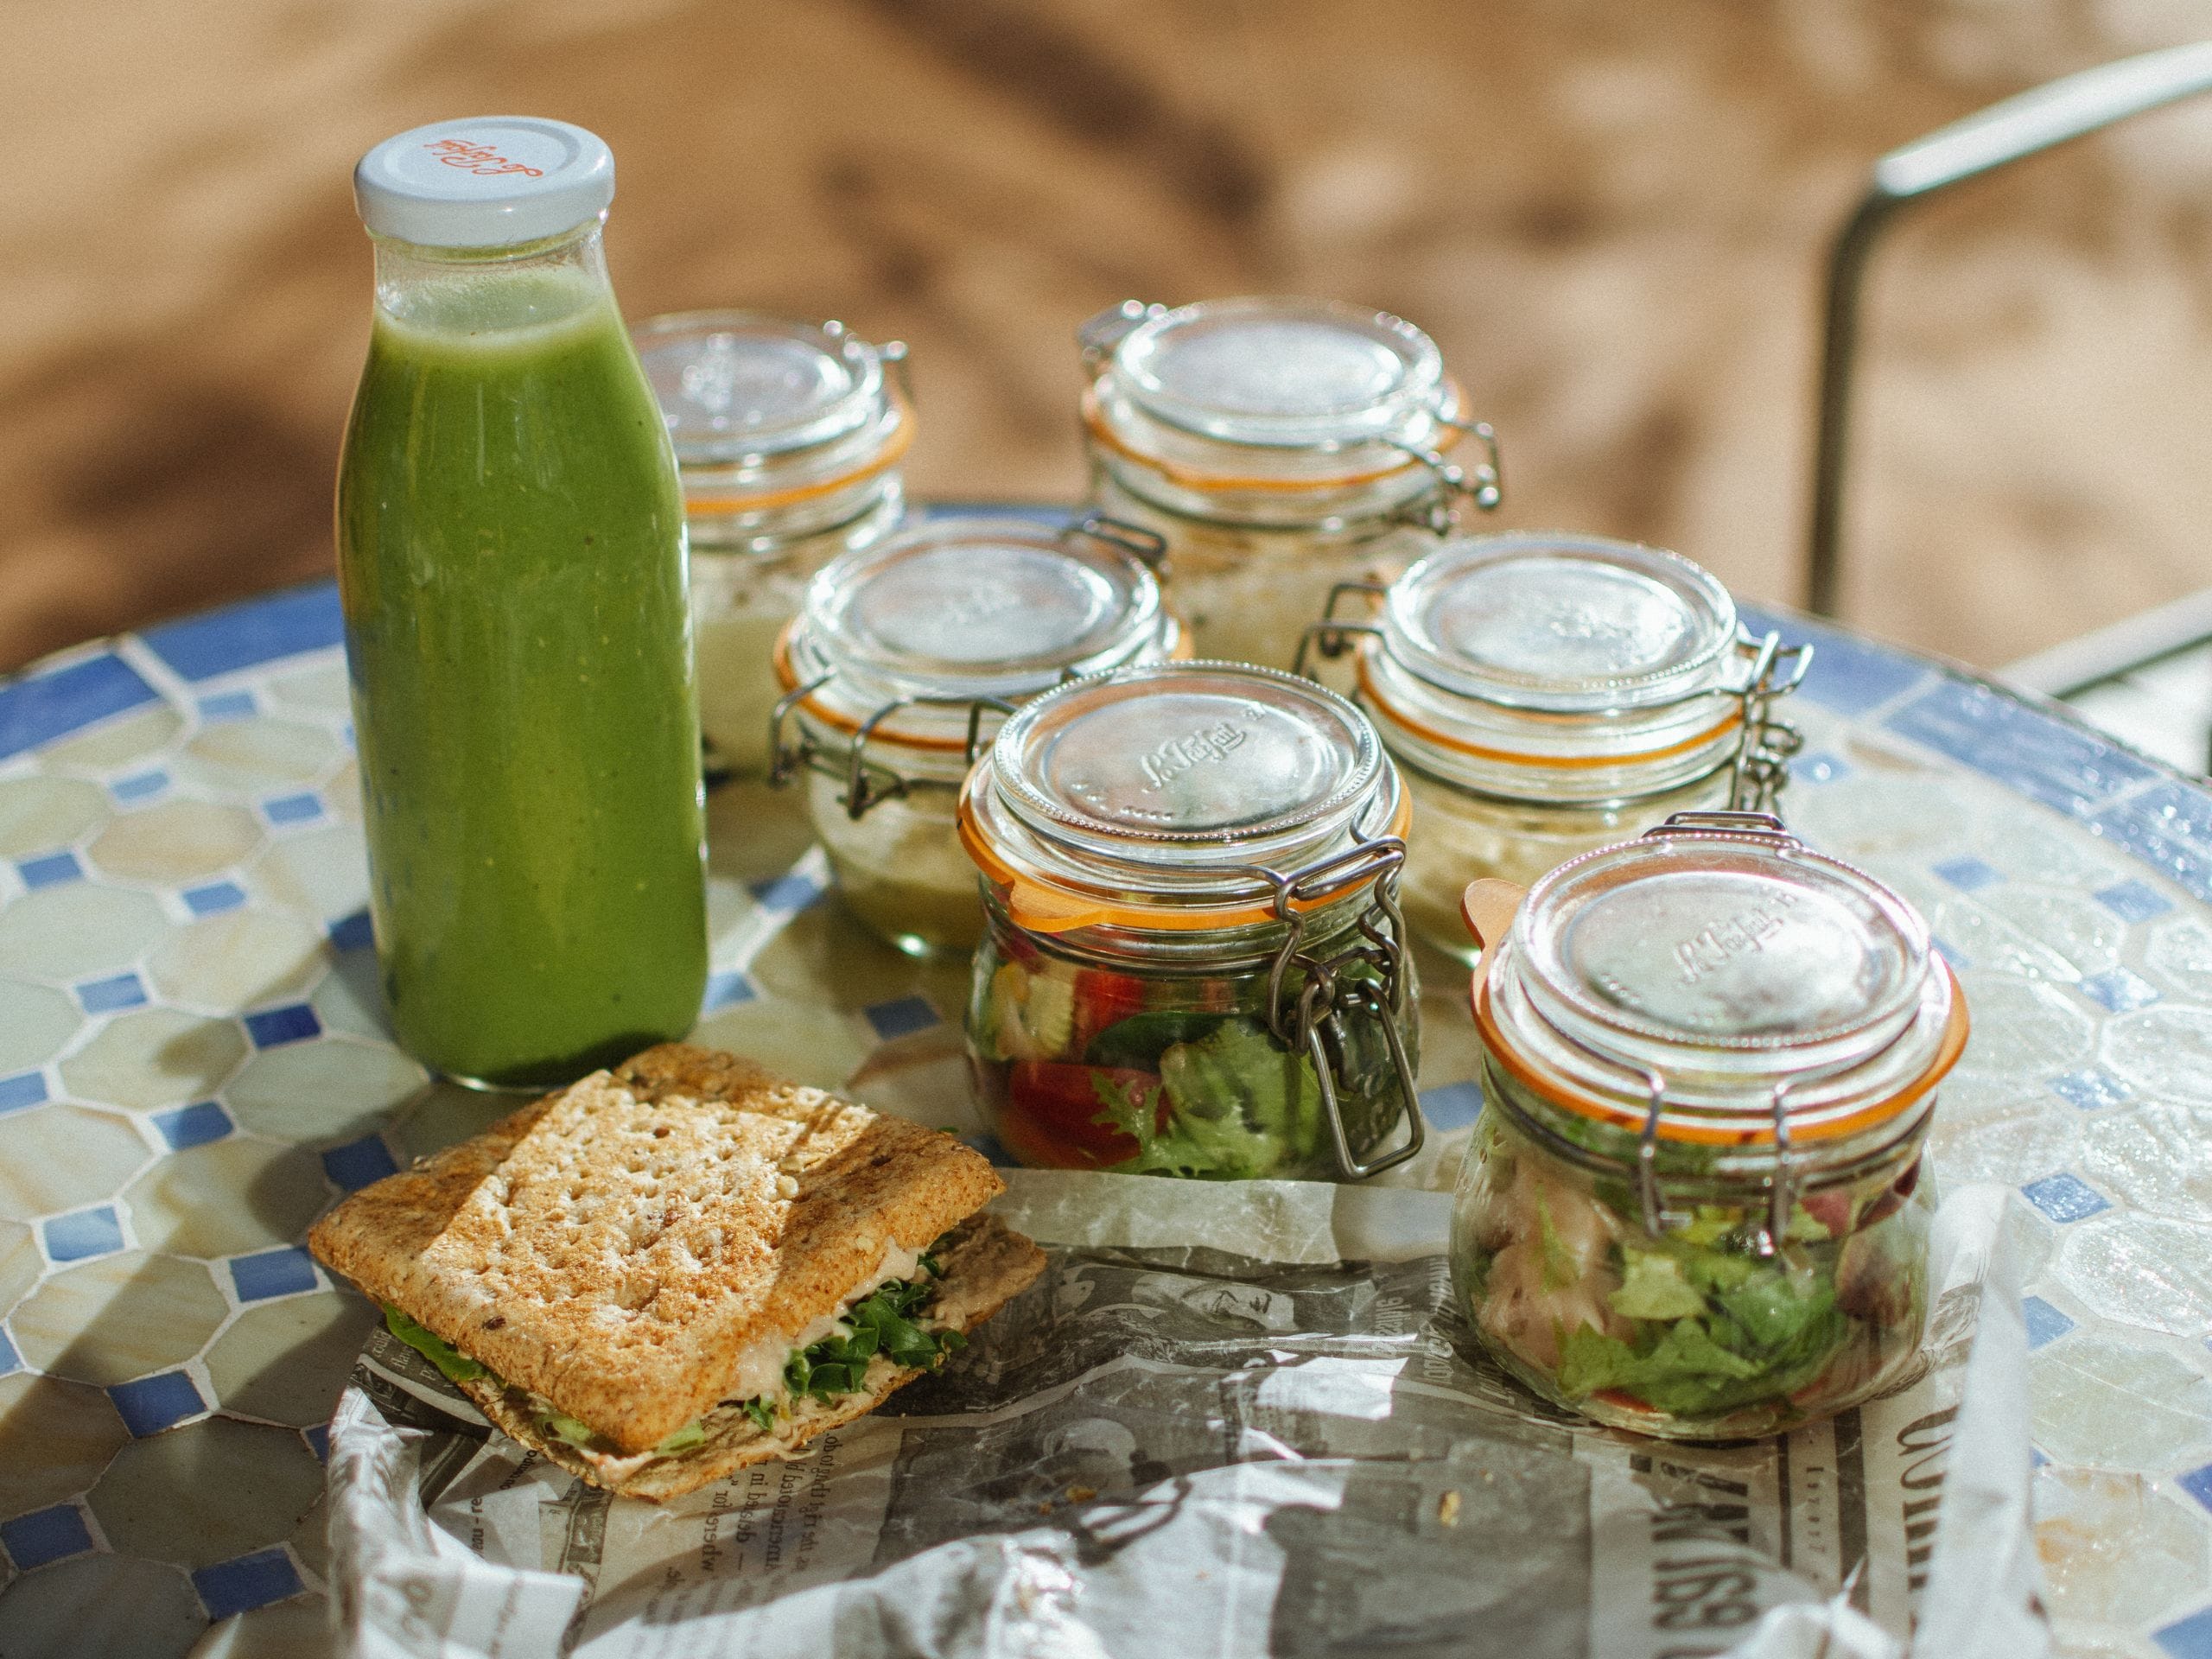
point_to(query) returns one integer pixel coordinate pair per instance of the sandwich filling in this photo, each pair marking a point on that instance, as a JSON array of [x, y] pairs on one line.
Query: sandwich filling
[[883, 1317]]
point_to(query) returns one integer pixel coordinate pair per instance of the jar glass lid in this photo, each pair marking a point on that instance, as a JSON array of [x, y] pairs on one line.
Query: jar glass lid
[[1726, 959], [1560, 624], [736, 387], [974, 607], [1281, 371], [1179, 779]]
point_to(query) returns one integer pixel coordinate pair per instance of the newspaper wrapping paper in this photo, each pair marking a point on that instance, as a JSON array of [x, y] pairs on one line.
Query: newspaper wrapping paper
[[1227, 1420]]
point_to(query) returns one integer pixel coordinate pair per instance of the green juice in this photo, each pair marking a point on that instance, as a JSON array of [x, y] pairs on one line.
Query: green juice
[[511, 560]]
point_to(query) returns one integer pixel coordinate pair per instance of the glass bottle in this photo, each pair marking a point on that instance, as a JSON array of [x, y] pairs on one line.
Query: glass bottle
[[1695, 1206], [789, 435], [1545, 694], [1279, 447], [903, 662], [511, 556], [1195, 965]]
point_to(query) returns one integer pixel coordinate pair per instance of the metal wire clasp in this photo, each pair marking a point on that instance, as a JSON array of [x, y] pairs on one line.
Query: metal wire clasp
[[1483, 483], [1147, 547], [1766, 743], [1782, 1184], [1312, 1019], [868, 782], [1332, 635]]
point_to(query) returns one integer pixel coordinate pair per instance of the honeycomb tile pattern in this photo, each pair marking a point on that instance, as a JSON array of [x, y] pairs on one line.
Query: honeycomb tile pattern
[[194, 1062]]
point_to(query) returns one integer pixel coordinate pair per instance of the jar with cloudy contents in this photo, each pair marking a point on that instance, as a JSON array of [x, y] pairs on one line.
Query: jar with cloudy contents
[[1195, 964], [789, 435], [1279, 447], [1547, 694], [1695, 1204], [901, 663]]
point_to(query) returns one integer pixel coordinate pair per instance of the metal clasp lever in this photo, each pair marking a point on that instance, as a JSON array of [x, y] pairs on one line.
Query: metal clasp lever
[[1332, 635], [1766, 743], [1312, 1023], [866, 783]]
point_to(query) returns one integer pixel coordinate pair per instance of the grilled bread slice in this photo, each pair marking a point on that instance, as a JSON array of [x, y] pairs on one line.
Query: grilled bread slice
[[642, 1250]]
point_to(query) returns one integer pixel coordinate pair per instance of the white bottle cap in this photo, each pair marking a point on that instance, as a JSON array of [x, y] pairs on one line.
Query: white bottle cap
[[486, 182]]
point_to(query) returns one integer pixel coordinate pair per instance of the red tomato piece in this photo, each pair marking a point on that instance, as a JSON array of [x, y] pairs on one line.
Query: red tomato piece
[[1050, 1110]]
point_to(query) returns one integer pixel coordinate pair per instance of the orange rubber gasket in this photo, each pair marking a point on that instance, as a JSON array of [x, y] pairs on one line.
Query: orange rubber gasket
[[1040, 908], [1095, 422], [1632, 1119], [894, 450], [1728, 722]]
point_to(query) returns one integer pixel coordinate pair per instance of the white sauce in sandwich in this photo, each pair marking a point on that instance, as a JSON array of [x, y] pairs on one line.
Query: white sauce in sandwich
[[760, 1368]]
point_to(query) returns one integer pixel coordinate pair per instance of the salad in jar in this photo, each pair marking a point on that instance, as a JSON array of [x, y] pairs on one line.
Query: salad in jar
[[1193, 962], [1694, 1205], [1083, 1065], [1709, 1329]]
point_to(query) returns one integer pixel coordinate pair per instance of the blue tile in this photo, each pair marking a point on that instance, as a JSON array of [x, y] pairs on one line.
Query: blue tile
[[139, 787], [992, 1148], [2092, 1088], [2187, 1639], [106, 996], [260, 631], [283, 1272], [2197, 1482], [317, 1436], [250, 1581], [24, 1088], [902, 1017], [291, 1024], [215, 897], [1849, 674], [727, 990], [193, 1126], [2065, 1197], [35, 710], [2170, 828], [2131, 901], [50, 871], [1968, 873], [2119, 991], [8, 1361], [790, 890], [1036, 513], [2045, 1323], [1453, 1106], [46, 1536], [81, 1233], [1819, 767], [2030, 753], [354, 932], [358, 1163], [292, 809], [154, 1403], [226, 705]]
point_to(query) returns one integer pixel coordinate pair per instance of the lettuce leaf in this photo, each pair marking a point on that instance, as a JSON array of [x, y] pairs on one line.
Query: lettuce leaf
[[457, 1366]]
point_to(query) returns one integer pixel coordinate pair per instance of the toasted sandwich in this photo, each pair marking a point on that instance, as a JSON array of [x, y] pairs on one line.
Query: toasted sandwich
[[671, 1270]]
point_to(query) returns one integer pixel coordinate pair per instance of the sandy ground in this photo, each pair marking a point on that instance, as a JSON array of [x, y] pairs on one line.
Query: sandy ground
[[1610, 216]]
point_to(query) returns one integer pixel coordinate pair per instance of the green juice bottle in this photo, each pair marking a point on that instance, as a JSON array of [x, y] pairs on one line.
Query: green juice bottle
[[511, 554]]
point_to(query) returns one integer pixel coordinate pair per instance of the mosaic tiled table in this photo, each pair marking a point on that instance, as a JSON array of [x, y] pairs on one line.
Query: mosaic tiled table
[[194, 1064]]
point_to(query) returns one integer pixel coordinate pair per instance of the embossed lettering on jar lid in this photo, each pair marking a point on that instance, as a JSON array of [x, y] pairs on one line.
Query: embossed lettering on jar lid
[[1722, 959], [1560, 624], [1176, 780], [758, 405]]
